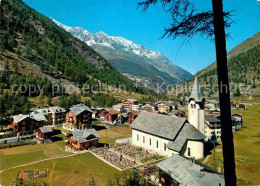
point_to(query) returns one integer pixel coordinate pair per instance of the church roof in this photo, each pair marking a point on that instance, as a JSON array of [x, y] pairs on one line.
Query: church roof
[[188, 132], [158, 125], [196, 92], [186, 172]]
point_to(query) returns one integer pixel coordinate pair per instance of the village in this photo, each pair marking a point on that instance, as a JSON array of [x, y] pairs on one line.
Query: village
[[168, 138]]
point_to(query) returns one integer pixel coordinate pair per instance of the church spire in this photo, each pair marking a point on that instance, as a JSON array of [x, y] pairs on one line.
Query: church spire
[[196, 92]]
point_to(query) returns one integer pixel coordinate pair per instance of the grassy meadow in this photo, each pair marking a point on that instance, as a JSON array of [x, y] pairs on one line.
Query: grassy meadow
[[247, 147]]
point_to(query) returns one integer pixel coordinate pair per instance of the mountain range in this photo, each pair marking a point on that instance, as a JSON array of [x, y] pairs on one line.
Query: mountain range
[[142, 65]]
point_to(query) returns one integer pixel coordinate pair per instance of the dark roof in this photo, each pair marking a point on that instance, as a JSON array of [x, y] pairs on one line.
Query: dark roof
[[159, 125], [186, 172], [46, 129], [79, 108], [188, 132], [85, 135], [212, 119]]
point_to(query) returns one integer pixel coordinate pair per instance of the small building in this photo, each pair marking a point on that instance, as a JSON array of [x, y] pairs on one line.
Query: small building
[[82, 139], [102, 112], [149, 106], [242, 106], [237, 121], [79, 117], [112, 116], [132, 116], [130, 104], [178, 170], [212, 127], [181, 114], [166, 106], [179, 102], [45, 132], [120, 108]]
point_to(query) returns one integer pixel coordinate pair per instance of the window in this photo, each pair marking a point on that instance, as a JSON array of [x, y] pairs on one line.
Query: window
[[164, 146], [188, 151], [191, 105], [150, 141], [137, 137], [157, 144], [143, 139]]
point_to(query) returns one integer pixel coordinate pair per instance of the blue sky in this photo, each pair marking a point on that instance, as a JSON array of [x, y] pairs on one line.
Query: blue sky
[[122, 18]]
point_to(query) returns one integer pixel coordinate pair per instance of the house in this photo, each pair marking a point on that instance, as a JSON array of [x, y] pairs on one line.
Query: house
[[82, 139], [44, 134], [25, 126], [181, 113], [58, 115], [233, 104], [237, 121], [242, 106], [166, 135], [119, 107], [211, 104], [130, 104], [101, 113], [149, 106], [79, 117], [179, 102], [212, 127], [112, 116], [166, 106], [132, 116], [178, 170]]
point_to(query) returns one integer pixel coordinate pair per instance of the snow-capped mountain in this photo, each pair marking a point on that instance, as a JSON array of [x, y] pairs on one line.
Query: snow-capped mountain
[[135, 61]]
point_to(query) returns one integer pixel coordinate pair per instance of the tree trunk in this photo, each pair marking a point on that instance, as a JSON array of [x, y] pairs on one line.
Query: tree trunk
[[224, 94]]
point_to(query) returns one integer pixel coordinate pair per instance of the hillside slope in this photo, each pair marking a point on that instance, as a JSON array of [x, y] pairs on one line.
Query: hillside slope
[[243, 65], [41, 48], [135, 61]]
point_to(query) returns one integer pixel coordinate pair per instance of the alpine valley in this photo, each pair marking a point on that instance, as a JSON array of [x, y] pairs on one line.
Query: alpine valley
[[143, 66]]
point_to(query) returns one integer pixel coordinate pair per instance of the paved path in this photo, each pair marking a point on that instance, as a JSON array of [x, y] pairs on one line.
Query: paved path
[[37, 162]]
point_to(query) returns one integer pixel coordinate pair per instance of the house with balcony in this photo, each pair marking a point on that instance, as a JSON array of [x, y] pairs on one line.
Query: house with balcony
[[82, 140], [78, 117]]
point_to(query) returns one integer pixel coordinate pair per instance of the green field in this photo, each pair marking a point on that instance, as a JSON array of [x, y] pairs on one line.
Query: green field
[[74, 170], [247, 147]]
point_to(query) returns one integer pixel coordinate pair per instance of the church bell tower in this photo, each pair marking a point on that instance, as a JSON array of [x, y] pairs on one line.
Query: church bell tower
[[196, 113]]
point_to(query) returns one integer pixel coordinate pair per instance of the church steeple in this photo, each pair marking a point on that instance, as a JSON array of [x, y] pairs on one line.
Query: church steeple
[[196, 114], [196, 92]]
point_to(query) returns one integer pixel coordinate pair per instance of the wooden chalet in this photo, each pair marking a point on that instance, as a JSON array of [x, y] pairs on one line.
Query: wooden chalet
[[181, 114], [79, 117], [112, 116], [27, 125], [179, 102], [82, 139], [132, 116], [45, 132]]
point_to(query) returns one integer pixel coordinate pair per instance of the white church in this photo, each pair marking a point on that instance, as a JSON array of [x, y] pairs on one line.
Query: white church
[[168, 135]]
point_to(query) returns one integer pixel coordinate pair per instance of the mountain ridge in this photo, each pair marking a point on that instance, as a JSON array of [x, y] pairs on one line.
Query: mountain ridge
[[124, 54]]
